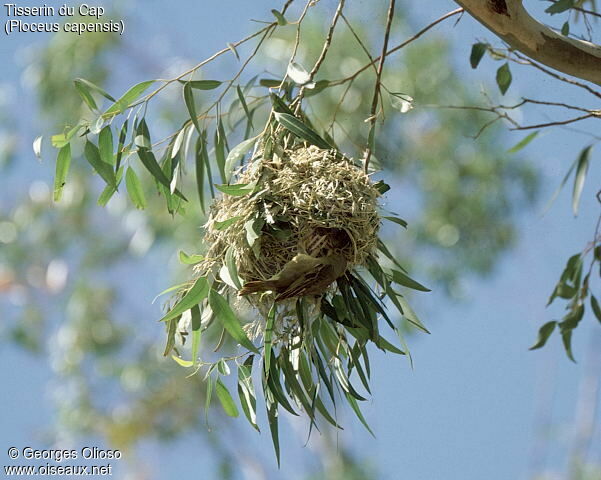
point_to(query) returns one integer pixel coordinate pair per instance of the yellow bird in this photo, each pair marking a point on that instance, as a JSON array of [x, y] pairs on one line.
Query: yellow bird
[[304, 275]]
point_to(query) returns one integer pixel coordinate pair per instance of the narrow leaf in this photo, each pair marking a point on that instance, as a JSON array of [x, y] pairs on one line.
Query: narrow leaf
[[402, 279], [236, 155], [301, 130], [279, 17], [523, 142], [596, 308], [63, 162], [226, 400], [193, 297], [581, 170], [191, 106], [128, 98], [91, 86], [105, 145], [227, 317], [478, 51], [504, 77], [543, 334], [134, 189], [190, 259], [560, 6], [236, 190], [103, 169], [202, 84]]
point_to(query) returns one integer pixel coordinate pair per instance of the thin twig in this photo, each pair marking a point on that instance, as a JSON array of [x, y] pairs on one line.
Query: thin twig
[[322, 56], [374, 102], [210, 59], [398, 47], [552, 124], [527, 61]]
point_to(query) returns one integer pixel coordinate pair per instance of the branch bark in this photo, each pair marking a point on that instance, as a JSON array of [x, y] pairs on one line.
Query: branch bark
[[510, 21]]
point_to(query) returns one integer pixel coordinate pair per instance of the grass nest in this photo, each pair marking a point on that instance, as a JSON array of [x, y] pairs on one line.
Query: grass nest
[[308, 200]]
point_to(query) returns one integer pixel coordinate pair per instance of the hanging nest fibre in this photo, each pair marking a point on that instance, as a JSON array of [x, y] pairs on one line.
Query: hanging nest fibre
[[308, 200]]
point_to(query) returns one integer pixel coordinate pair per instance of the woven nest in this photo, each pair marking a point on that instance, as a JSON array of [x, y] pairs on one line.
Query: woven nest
[[308, 201]]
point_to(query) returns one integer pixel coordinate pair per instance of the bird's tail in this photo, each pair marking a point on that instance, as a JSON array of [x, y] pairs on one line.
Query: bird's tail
[[253, 287]]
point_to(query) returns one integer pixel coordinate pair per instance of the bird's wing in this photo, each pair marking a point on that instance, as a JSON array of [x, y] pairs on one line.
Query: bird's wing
[[310, 283]]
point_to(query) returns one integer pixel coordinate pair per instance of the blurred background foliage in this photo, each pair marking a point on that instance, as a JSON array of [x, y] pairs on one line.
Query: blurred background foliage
[[64, 296]]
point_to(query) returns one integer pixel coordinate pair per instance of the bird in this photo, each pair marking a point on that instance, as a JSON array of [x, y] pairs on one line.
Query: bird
[[302, 276]]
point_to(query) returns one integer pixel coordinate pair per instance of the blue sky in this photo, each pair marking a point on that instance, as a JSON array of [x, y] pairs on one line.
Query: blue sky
[[468, 408]]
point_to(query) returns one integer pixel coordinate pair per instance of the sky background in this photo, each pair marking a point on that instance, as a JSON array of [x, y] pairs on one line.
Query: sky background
[[469, 408]]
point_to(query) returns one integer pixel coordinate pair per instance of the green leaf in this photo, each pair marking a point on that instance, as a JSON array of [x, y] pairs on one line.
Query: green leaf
[[270, 82], [320, 86], [523, 142], [246, 393], [134, 189], [236, 190], [121, 144], [253, 229], [408, 312], [63, 162], [105, 145], [561, 185], [565, 29], [543, 334], [402, 279], [109, 190], [226, 223], [298, 128], [267, 338], [227, 317], [353, 403], [149, 161], [232, 269], [197, 293], [105, 170], [279, 17], [397, 220], [84, 93], [86, 84], [178, 141], [226, 400], [581, 170], [171, 331], [384, 344], [191, 106], [236, 155], [504, 77], [220, 150], [61, 139], [272, 419], [127, 99], [596, 308], [381, 187], [199, 159], [190, 259], [209, 381], [244, 105], [478, 51], [566, 338], [560, 6], [182, 362], [195, 323], [202, 84]]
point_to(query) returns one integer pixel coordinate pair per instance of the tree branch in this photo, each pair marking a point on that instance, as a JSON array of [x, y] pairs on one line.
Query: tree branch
[[510, 21]]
